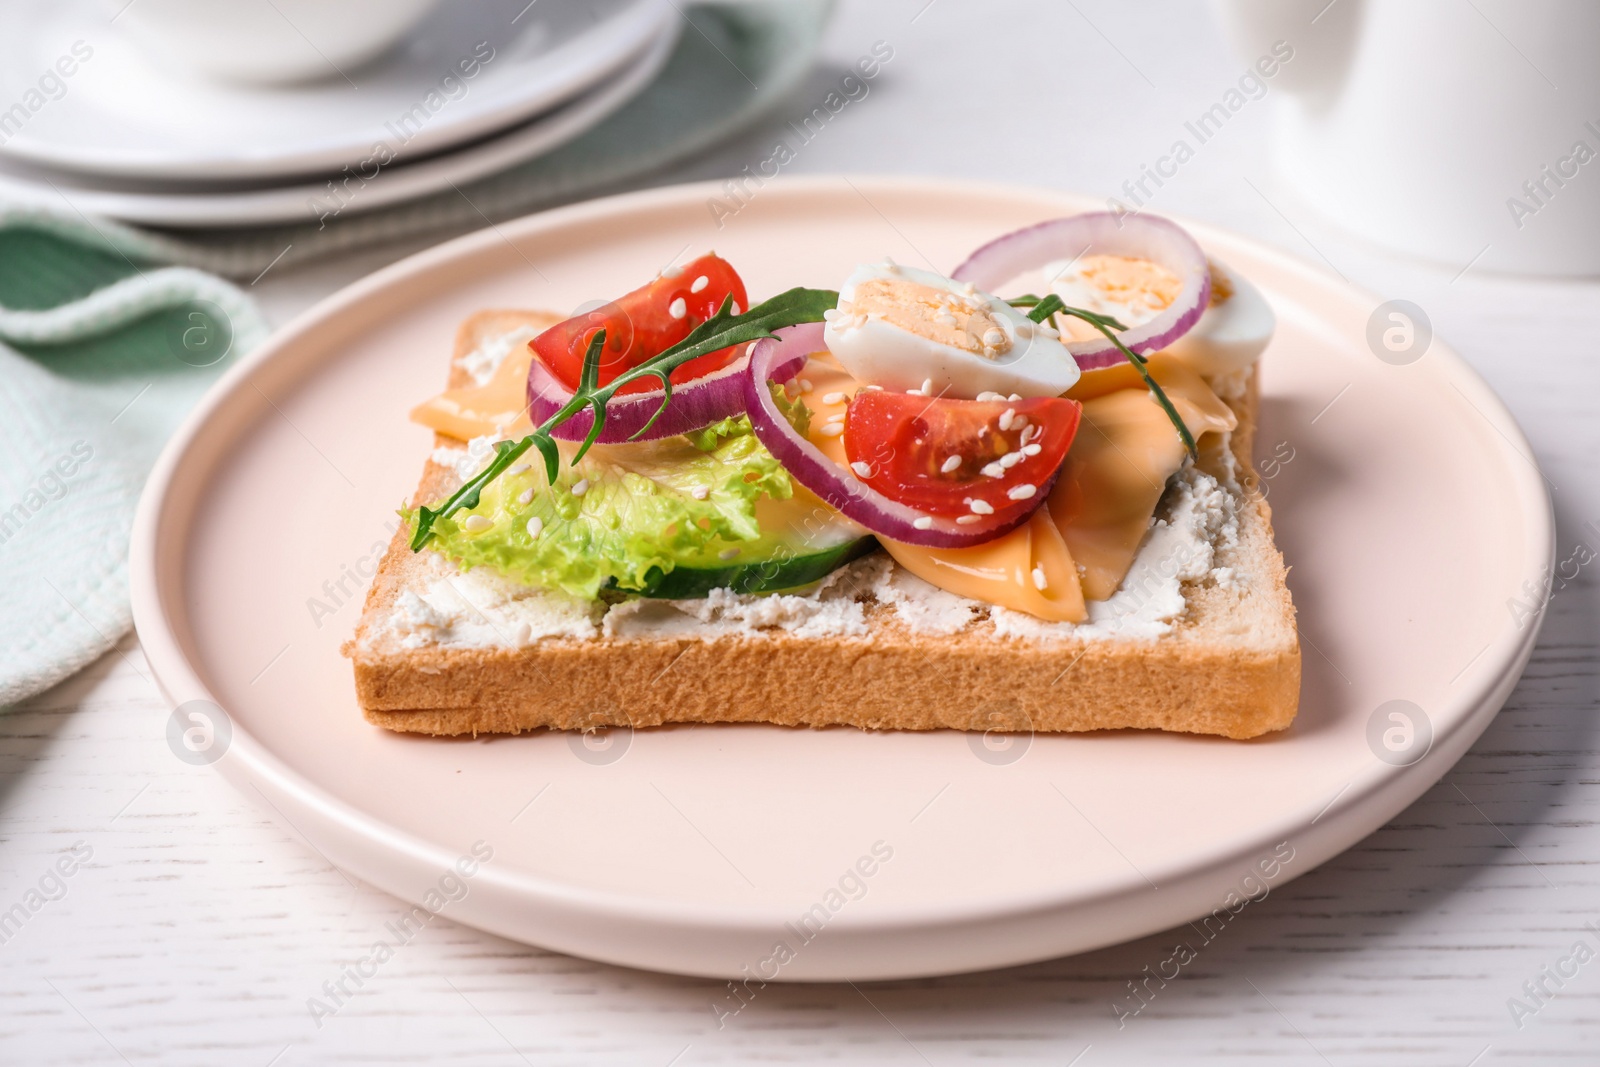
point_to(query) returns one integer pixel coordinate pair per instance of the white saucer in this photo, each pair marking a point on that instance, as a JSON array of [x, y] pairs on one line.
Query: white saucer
[[1404, 498], [125, 114], [314, 201]]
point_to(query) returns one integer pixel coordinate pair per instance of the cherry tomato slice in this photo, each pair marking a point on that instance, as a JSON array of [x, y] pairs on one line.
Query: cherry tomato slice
[[645, 323], [984, 458]]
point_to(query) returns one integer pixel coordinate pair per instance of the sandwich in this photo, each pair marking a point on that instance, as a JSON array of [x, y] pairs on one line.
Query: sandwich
[[906, 504]]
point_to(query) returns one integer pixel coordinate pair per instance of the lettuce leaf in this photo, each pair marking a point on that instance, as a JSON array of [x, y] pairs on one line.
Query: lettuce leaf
[[642, 507]]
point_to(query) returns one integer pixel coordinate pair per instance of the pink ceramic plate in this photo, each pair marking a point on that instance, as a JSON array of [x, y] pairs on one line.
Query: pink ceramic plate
[[1410, 513]]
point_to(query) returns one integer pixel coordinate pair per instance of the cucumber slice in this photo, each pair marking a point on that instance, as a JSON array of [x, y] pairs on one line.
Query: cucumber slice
[[802, 541], [778, 571]]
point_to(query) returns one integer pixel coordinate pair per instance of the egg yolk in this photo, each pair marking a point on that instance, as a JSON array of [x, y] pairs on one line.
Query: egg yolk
[[946, 318], [1132, 290]]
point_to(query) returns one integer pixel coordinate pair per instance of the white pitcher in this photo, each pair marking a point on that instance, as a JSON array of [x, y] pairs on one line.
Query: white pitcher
[[1462, 131]]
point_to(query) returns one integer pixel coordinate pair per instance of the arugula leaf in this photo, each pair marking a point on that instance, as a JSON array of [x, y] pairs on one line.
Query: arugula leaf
[[1050, 305], [721, 330]]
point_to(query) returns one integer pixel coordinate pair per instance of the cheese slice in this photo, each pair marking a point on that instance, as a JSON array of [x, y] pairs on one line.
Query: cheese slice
[[1119, 463], [499, 406], [1029, 569]]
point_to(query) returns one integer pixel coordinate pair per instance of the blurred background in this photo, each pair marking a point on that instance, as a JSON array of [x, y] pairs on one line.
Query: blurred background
[[159, 162]]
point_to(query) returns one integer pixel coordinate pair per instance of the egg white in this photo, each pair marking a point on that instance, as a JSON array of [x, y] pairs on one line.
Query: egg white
[[1035, 362], [1231, 333]]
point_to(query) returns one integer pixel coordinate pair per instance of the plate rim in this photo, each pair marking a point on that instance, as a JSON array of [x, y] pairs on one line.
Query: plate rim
[[247, 759], [630, 33]]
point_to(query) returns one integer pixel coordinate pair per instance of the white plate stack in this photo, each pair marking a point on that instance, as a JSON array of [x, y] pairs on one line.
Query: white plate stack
[[191, 113]]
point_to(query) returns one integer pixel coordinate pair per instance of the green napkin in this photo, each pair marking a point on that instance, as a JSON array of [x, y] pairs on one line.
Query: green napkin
[[105, 345], [99, 360]]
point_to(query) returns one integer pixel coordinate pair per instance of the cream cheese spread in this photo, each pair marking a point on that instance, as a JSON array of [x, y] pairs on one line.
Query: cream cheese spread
[[481, 609], [482, 362]]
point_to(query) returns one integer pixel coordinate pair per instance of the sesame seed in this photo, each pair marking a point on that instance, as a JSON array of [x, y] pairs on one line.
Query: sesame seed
[[520, 468], [1031, 450], [1005, 418], [535, 526], [1014, 397], [699, 492], [805, 385], [699, 284], [980, 507], [833, 398], [913, 392], [994, 470], [833, 429], [924, 523], [678, 308], [830, 315], [990, 397], [874, 388], [1021, 492], [890, 264], [526, 496], [967, 520], [944, 318], [927, 387], [864, 470], [1011, 459], [968, 288], [951, 464], [1020, 423], [831, 419], [1039, 581], [994, 338], [728, 553], [476, 524], [581, 487]]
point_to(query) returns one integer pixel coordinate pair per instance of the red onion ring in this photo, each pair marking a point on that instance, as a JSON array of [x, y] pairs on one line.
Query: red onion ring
[[694, 406], [1103, 233], [774, 359]]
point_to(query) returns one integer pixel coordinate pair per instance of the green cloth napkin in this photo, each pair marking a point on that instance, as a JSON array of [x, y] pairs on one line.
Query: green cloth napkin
[[99, 359], [109, 333]]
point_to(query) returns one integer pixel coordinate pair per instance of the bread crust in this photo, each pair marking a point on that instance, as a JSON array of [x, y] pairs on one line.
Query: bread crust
[[1230, 666]]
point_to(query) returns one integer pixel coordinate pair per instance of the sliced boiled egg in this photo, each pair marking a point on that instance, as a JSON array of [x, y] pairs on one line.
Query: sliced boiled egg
[[1232, 331], [903, 328]]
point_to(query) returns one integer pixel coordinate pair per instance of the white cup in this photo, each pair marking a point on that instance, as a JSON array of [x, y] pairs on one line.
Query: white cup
[[270, 41], [1454, 131]]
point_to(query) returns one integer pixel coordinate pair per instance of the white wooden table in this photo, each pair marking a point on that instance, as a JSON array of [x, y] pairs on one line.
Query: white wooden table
[[198, 929]]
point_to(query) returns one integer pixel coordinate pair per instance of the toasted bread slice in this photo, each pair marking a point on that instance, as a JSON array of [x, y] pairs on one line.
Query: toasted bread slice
[[1229, 664]]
